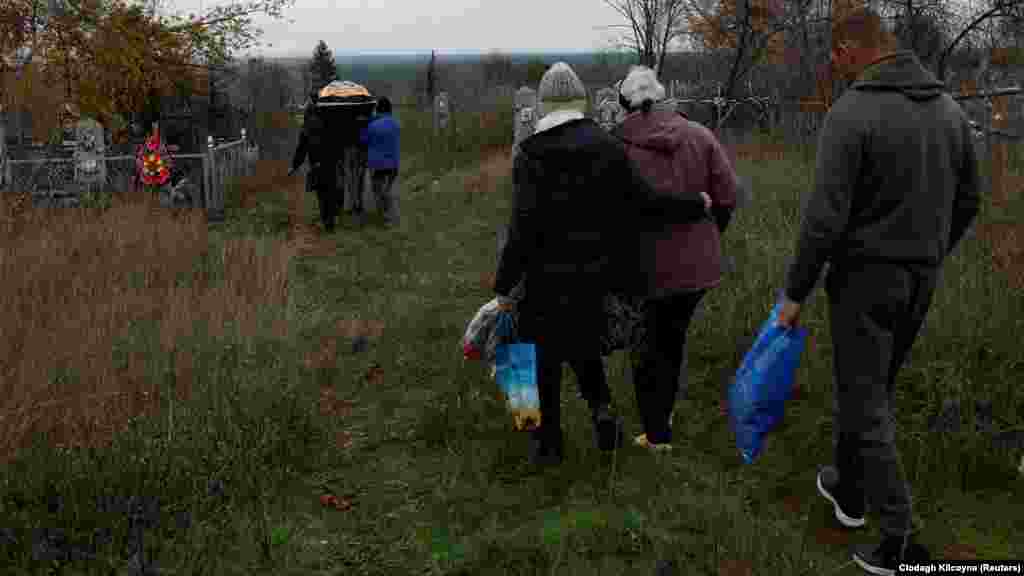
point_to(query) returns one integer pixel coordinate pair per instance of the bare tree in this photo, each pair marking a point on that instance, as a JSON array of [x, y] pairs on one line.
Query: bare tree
[[651, 27], [975, 19]]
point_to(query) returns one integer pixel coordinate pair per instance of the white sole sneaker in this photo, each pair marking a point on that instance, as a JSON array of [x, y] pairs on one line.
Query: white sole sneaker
[[875, 570], [643, 442], [845, 520]]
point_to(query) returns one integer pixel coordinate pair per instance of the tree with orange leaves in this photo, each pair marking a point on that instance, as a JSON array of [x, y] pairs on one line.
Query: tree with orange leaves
[[114, 57], [751, 32]]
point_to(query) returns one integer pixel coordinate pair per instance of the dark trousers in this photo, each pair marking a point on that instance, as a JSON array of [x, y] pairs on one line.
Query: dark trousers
[[325, 183], [352, 171], [382, 182], [590, 375], [564, 334], [659, 359], [875, 311]]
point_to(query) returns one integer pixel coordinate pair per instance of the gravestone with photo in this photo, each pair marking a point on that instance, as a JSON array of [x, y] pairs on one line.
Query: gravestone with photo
[[609, 112], [89, 155]]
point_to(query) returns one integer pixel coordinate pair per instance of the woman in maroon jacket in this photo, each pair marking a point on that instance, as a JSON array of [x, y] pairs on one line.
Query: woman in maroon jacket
[[677, 157]]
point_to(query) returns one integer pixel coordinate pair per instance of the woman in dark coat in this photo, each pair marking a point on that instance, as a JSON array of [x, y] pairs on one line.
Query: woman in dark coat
[[578, 210], [314, 144]]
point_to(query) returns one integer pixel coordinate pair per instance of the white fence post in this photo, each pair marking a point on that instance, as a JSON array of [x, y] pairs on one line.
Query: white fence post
[[215, 208], [208, 175]]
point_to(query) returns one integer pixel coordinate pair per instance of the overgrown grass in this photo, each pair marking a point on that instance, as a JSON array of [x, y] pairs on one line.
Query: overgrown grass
[[272, 367]]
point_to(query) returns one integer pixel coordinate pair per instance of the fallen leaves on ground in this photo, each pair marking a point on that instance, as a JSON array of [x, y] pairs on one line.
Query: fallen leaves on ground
[[342, 503], [326, 356], [375, 375], [331, 405], [959, 552], [828, 536], [736, 568], [354, 328], [793, 504], [307, 241], [344, 440]]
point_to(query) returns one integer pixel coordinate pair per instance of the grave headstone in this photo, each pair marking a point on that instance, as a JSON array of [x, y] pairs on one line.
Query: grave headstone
[[525, 97], [609, 112], [90, 153], [603, 94], [525, 116], [68, 121], [526, 121]]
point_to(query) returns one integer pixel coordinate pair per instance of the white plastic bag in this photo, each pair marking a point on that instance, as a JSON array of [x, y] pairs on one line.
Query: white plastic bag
[[478, 342]]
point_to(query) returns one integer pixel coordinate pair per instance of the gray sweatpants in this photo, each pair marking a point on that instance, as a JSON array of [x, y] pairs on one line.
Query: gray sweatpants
[[875, 311]]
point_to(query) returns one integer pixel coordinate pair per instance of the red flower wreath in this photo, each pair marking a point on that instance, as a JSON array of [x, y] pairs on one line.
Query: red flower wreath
[[152, 162]]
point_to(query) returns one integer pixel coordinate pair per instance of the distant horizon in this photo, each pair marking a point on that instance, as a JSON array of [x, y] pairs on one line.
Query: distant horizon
[[453, 52], [469, 52]]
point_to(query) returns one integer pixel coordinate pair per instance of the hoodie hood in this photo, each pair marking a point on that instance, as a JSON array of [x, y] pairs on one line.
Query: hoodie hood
[[900, 72], [664, 129]]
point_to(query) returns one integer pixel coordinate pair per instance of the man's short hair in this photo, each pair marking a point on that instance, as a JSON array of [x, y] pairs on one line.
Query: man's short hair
[[863, 28], [384, 105]]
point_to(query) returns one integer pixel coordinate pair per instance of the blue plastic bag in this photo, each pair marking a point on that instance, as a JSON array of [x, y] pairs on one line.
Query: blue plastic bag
[[763, 384], [516, 374]]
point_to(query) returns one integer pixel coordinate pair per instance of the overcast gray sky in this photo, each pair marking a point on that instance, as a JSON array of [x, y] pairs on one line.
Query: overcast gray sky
[[374, 26]]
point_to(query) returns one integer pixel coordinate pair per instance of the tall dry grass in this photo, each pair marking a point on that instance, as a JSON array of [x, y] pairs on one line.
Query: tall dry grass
[[76, 285]]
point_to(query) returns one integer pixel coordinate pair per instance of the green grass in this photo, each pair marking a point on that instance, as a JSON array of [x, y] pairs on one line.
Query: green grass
[[426, 455]]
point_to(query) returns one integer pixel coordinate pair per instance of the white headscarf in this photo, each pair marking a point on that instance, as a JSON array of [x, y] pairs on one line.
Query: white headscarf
[[641, 84]]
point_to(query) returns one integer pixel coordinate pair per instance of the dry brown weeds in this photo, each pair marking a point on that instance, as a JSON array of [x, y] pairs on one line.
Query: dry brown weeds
[[1006, 241], [488, 176], [757, 151], [75, 280]]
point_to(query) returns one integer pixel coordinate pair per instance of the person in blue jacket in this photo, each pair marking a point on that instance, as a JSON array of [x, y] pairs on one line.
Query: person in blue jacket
[[381, 138]]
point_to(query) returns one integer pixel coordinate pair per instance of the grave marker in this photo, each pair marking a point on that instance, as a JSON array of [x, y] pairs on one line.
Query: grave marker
[[525, 97], [90, 153], [609, 112], [525, 107]]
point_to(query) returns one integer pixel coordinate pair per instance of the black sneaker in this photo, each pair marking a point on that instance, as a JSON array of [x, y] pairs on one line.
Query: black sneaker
[[882, 559], [666, 568], [607, 429], [851, 513], [546, 450]]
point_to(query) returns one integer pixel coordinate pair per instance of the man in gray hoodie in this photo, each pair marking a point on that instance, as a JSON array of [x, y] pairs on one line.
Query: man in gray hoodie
[[896, 187]]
